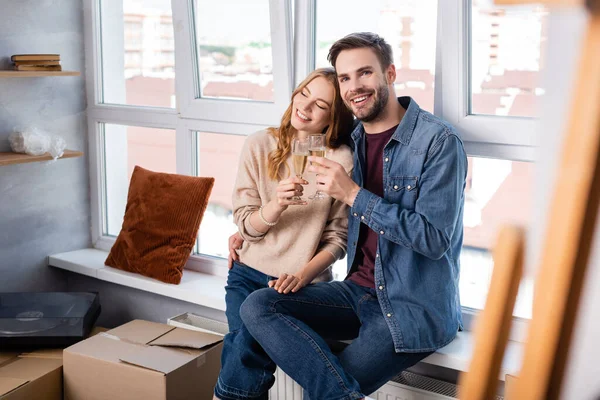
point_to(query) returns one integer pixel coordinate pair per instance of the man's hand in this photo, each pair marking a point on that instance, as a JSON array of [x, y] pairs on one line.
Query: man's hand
[[333, 179], [288, 283], [235, 242]]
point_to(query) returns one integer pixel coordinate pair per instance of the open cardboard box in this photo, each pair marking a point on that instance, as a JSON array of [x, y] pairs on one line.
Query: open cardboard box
[[143, 360], [31, 376], [34, 375]]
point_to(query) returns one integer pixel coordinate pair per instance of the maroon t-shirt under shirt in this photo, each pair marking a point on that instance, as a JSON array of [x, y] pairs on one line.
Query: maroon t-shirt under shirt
[[364, 262]]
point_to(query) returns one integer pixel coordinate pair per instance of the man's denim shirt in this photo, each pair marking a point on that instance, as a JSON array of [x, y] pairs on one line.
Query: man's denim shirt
[[420, 226]]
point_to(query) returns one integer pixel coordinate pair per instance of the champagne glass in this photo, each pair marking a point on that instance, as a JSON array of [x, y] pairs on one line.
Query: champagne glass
[[299, 156], [317, 148]]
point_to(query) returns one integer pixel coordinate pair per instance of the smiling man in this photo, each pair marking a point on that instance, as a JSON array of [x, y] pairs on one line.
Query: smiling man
[[400, 300]]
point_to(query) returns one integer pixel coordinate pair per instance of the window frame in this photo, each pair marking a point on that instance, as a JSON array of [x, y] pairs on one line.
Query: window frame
[[294, 57], [192, 106], [483, 135]]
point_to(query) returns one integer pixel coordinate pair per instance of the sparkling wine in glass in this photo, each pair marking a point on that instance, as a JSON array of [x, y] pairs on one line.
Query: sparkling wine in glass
[[299, 156], [317, 148]]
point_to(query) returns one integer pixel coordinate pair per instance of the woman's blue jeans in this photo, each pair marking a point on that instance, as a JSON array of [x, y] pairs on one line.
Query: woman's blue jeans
[[246, 370]]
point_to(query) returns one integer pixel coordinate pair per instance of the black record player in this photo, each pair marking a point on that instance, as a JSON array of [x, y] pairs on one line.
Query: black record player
[[46, 319]]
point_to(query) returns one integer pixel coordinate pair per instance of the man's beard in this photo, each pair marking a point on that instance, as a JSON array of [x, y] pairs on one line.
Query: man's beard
[[381, 98]]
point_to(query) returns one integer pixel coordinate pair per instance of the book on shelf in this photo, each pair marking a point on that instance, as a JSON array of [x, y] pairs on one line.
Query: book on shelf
[[35, 57], [38, 68], [40, 62]]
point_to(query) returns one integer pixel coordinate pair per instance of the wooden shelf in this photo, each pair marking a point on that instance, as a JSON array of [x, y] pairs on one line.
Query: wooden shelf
[[18, 158], [33, 74]]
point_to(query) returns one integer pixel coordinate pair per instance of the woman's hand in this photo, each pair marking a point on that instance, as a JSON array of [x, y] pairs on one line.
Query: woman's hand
[[288, 283], [235, 242], [287, 189]]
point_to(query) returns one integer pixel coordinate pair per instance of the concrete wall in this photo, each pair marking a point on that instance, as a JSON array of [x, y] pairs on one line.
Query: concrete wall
[[44, 208]]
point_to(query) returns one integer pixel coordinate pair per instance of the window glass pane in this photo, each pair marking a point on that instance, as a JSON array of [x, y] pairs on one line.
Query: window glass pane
[[124, 148], [497, 192], [218, 157], [409, 26], [137, 53], [507, 53], [234, 49]]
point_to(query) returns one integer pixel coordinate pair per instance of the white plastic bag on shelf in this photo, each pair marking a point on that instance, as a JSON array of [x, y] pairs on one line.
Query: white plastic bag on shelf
[[57, 146], [33, 141]]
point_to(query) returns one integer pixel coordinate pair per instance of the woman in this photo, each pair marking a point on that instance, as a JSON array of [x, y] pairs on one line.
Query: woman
[[287, 244]]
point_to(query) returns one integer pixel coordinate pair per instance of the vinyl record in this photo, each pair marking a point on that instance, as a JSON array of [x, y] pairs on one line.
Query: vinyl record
[[27, 323]]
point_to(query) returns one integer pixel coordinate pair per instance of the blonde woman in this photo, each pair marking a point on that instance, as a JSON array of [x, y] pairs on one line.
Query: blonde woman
[[287, 243]]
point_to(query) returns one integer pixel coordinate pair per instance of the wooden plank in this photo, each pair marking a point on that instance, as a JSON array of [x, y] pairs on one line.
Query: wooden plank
[[33, 74], [18, 158], [510, 384], [493, 323], [569, 234]]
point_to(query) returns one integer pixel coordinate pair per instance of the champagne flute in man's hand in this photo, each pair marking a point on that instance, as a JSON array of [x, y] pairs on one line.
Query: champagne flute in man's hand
[[317, 148]]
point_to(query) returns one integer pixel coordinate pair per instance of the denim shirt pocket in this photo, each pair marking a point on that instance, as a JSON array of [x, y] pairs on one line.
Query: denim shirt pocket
[[403, 190]]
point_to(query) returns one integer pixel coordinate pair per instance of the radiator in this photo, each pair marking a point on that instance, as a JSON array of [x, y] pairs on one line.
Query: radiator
[[406, 386]]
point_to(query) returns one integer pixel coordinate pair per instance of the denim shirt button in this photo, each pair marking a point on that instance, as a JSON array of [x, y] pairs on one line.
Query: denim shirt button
[[355, 214], [362, 217], [380, 287], [396, 187], [389, 315], [377, 255], [387, 159], [408, 187], [381, 232]]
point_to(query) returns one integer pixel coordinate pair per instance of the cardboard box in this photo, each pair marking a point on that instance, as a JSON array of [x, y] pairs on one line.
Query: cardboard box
[[143, 360], [33, 375], [197, 323]]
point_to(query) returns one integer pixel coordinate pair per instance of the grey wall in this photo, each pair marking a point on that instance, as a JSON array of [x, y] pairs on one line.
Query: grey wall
[[121, 304], [565, 38], [583, 369], [44, 208]]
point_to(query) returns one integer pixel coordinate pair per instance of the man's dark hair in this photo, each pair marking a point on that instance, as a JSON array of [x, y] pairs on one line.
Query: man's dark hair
[[359, 40]]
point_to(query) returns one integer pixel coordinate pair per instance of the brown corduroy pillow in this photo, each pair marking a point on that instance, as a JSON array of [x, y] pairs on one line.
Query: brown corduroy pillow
[[161, 222]]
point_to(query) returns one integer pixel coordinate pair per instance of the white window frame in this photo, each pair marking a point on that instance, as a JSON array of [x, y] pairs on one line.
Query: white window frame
[[484, 136], [192, 114], [192, 106]]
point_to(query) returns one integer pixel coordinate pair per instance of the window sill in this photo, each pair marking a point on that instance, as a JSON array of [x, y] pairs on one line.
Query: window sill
[[209, 291], [195, 287]]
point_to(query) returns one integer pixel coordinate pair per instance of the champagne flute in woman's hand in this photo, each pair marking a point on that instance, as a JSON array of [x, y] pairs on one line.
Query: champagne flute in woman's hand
[[299, 156]]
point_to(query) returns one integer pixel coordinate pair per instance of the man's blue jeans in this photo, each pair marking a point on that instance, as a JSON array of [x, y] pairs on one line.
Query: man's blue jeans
[[291, 329], [246, 370]]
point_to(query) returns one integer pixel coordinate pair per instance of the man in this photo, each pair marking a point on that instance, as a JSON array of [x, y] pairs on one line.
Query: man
[[400, 300]]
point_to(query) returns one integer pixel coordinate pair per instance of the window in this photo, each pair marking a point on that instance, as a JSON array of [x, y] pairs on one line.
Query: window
[[235, 75], [497, 192], [133, 52], [240, 66], [218, 156], [507, 53], [124, 148], [235, 58], [408, 26]]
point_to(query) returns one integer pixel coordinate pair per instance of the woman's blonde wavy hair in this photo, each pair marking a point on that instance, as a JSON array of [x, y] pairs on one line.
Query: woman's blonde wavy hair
[[336, 133]]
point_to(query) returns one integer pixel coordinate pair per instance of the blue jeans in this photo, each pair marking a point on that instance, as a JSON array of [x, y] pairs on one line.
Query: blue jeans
[[291, 329], [246, 370]]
